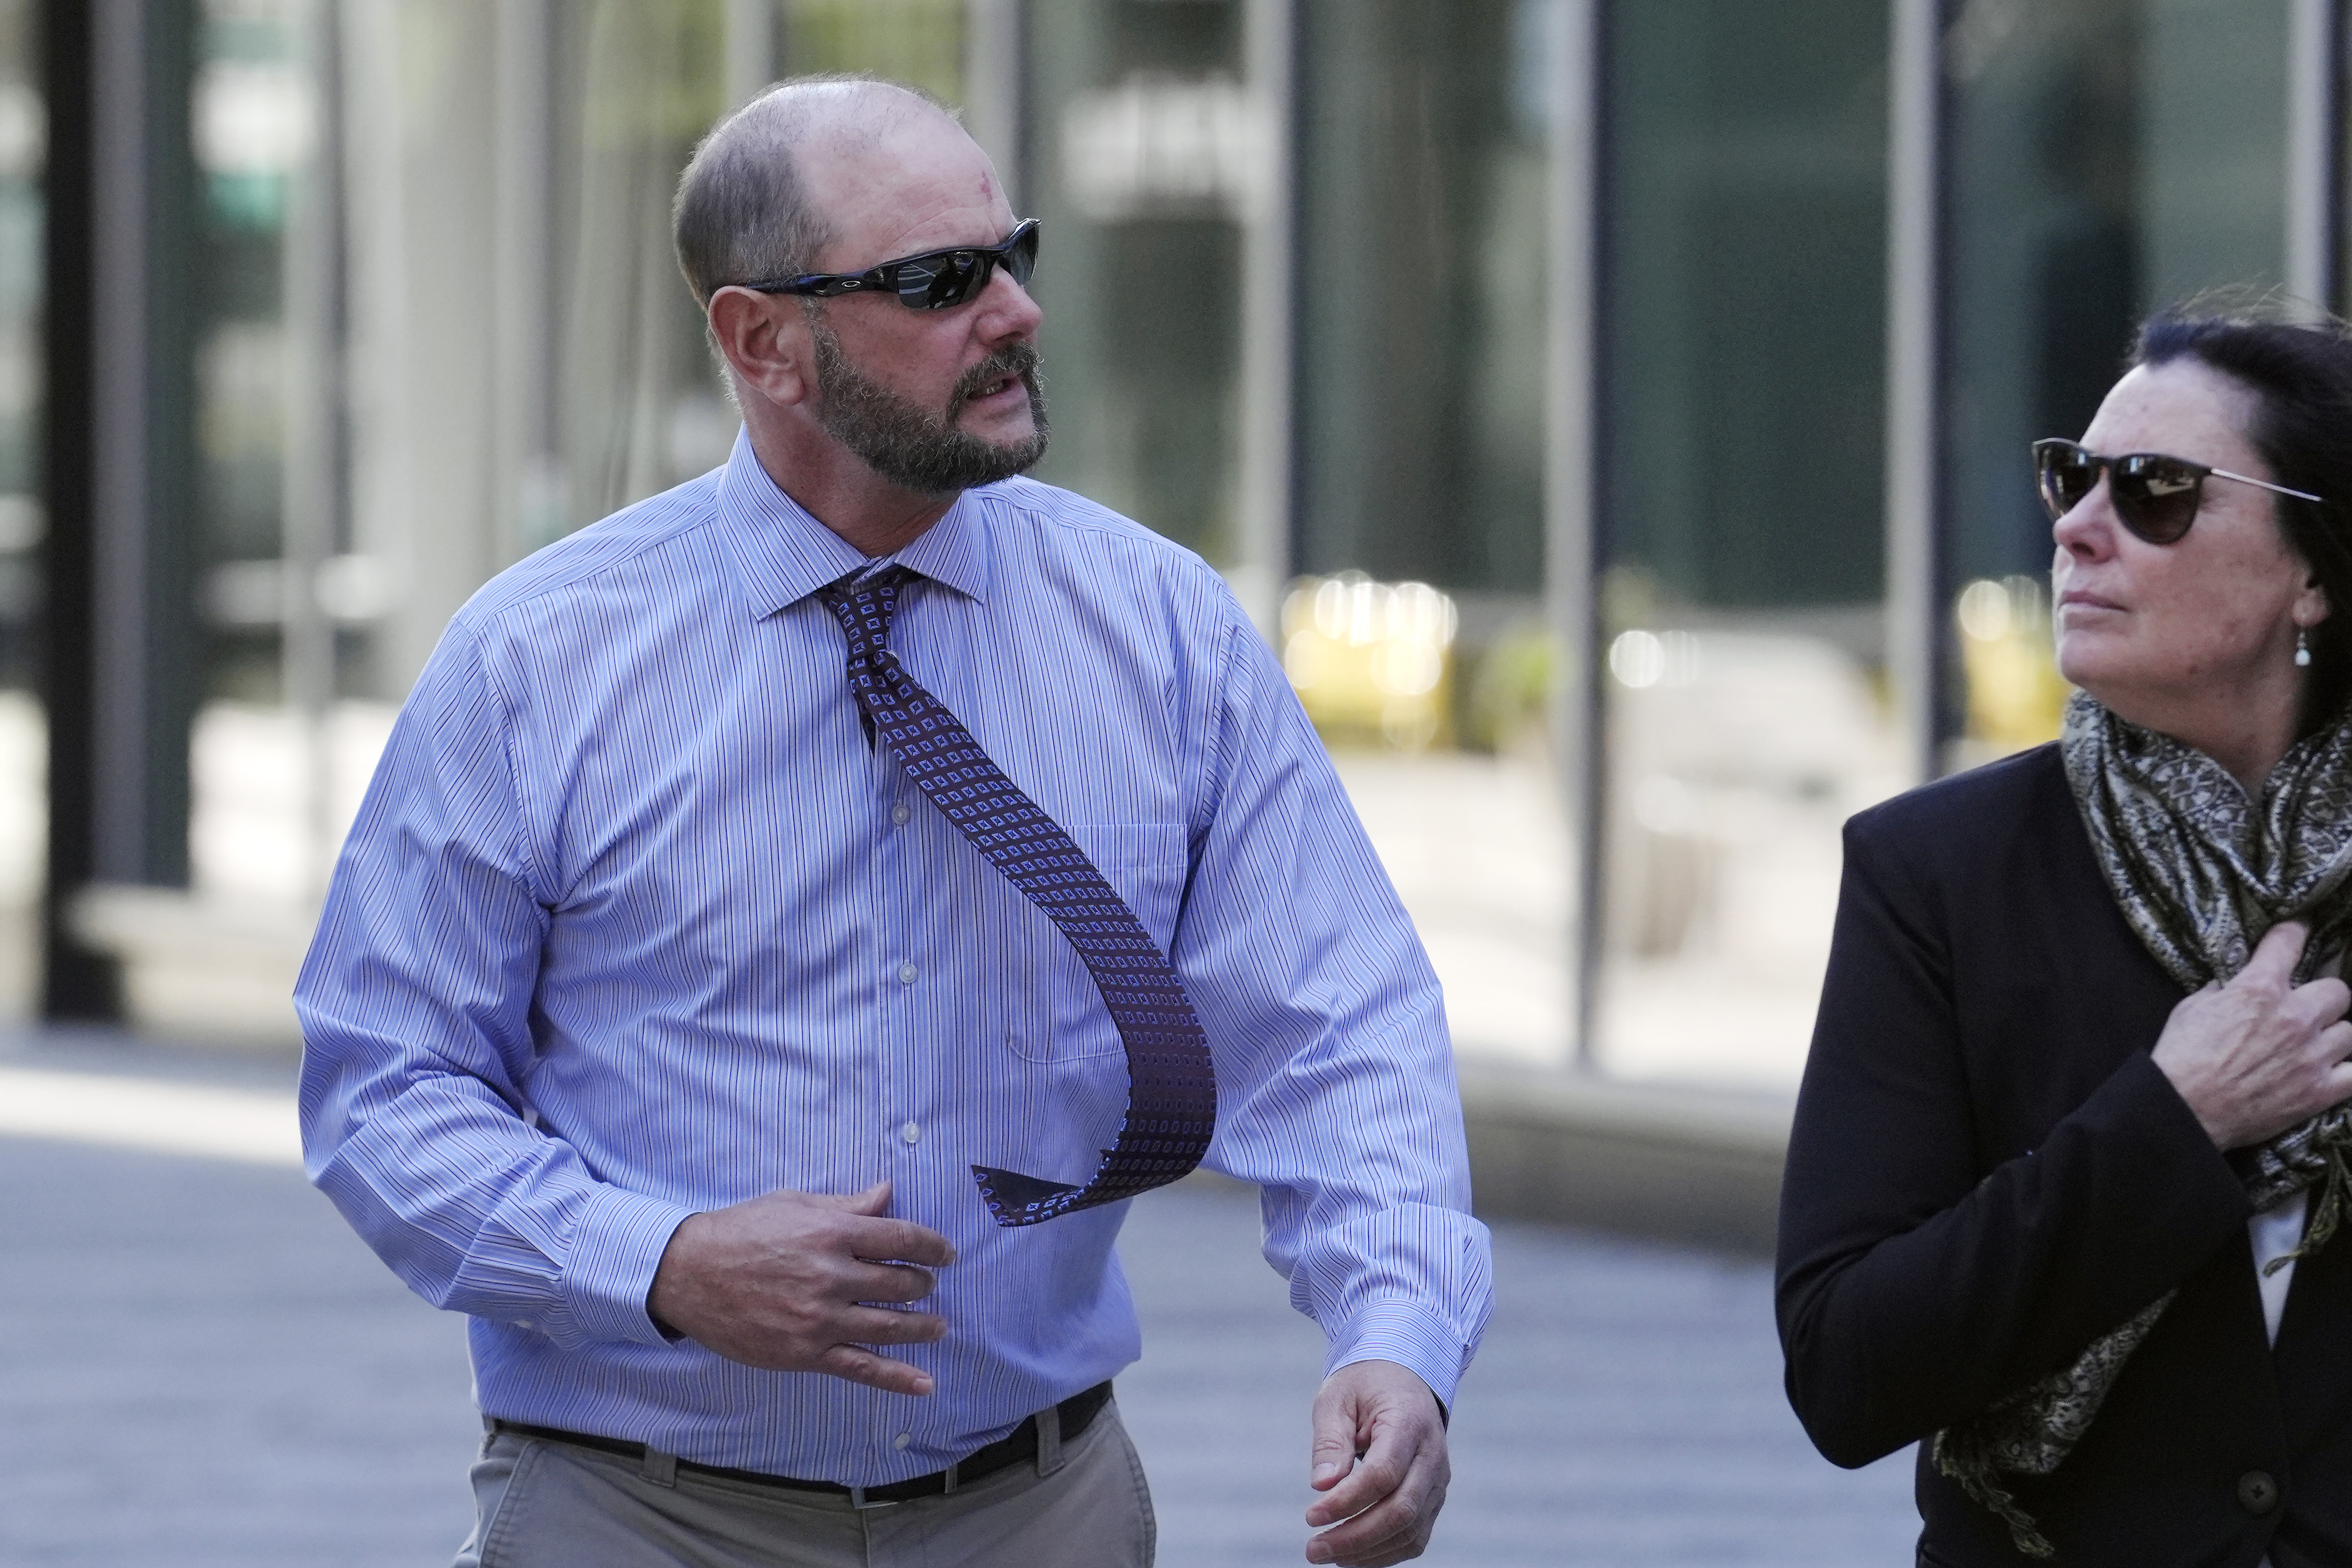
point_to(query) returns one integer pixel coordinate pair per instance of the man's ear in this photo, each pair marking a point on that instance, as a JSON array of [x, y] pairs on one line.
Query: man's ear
[[766, 341]]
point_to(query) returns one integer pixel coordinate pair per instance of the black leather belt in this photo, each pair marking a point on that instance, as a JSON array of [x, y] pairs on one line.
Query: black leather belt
[[1073, 1415]]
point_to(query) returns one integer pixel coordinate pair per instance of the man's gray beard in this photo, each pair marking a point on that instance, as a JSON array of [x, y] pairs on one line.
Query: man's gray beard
[[908, 445]]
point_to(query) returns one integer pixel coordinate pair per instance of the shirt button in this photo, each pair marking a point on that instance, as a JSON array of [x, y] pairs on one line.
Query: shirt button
[[907, 973], [911, 1133], [2257, 1492], [899, 813], [902, 1439]]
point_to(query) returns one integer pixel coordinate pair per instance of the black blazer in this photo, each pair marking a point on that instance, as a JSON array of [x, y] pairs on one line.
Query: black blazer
[[1986, 1172]]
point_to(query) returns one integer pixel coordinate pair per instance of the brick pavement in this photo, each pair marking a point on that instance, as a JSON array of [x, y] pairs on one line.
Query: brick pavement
[[200, 1365]]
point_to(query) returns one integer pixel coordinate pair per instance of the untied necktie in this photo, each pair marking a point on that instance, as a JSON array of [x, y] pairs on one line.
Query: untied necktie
[[1172, 1106]]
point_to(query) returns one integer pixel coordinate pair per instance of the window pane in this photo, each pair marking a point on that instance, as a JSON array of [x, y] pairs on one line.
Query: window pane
[[2106, 158], [1144, 145], [1425, 274], [1741, 433]]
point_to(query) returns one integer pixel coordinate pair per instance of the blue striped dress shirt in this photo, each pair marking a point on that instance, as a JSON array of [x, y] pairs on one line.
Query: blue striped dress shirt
[[634, 923]]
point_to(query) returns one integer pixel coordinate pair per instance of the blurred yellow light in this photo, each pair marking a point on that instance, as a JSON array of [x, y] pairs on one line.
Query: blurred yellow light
[[1985, 611], [2016, 698], [1369, 660], [1637, 658], [1642, 659]]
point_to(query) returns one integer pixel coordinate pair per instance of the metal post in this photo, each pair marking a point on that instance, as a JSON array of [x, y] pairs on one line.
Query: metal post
[[750, 48], [1912, 306], [312, 463], [1570, 486], [993, 86], [528, 503], [1262, 541], [2314, 76]]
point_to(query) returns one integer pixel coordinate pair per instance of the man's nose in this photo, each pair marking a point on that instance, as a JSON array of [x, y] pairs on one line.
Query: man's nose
[[1007, 310]]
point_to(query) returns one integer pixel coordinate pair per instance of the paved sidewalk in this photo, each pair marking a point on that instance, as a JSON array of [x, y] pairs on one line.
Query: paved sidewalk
[[200, 1365]]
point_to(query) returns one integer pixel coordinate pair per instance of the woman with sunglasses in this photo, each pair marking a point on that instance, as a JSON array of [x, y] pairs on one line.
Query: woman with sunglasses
[[2071, 1156]]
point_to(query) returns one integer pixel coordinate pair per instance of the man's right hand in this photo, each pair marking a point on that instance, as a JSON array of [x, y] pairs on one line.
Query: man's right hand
[[780, 1281]]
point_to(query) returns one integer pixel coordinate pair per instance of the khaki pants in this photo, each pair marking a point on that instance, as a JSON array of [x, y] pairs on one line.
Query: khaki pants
[[552, 1505]]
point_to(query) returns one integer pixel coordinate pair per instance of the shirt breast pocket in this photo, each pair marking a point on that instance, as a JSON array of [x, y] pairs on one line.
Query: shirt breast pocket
[[1066, 1019]]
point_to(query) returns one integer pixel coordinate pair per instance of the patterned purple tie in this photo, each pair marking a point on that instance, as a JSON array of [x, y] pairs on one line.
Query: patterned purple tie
[[1171, 1105]]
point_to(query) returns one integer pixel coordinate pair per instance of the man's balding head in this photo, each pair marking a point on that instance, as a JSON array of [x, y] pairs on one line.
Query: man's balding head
[[873, 416], [747, 206]]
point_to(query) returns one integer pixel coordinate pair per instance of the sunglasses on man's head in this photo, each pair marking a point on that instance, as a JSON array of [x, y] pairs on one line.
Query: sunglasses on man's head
[[935, 280], [2153, 496]]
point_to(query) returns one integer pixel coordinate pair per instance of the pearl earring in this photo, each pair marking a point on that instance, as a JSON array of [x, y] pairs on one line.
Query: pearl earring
[[2302, 649]]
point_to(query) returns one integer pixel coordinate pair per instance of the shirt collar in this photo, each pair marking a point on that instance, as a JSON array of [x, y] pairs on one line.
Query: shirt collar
[[785, 554]]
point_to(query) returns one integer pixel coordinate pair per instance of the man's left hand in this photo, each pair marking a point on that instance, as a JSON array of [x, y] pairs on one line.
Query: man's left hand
[[1379, 1460]]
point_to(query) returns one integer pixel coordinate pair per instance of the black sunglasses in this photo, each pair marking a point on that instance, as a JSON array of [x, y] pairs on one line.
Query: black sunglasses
[[935, 280], [2154, 496]]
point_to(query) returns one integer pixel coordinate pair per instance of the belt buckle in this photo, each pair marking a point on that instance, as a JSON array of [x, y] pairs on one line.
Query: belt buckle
[[860, 1502]]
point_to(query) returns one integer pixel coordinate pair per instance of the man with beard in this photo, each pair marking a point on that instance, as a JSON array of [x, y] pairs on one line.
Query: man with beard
[[836, 884]]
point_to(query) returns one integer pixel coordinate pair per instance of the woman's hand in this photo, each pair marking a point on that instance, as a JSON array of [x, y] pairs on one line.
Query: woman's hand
[[2260, 1054]]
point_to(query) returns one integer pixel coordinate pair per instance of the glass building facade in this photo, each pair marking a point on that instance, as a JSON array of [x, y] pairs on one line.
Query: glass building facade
[[1613, 413], [1739, 479]]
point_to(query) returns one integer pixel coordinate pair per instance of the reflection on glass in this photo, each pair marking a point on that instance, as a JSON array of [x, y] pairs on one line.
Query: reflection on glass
[[2104, 158], [638, 406], [270, 428], [457, 216], [1424, 276], [2016, 698], [1143, 149], [1424, 272], [920, 42], [1741, 413], [255, 129], [1370, 660], [1734, 752]]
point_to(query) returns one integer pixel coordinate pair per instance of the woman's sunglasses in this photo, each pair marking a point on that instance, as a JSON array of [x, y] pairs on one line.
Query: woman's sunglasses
[[2153, 496], [935, 280]]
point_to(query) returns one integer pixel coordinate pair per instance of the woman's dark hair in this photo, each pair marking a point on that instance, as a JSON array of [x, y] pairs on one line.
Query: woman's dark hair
[[2301, 374]]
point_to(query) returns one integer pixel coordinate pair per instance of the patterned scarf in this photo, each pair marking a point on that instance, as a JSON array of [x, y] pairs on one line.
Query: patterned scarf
[[2201, 873]]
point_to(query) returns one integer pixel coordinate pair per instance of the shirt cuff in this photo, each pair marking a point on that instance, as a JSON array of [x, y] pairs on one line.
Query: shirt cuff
[[620, 1245], [1420, 1341]]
